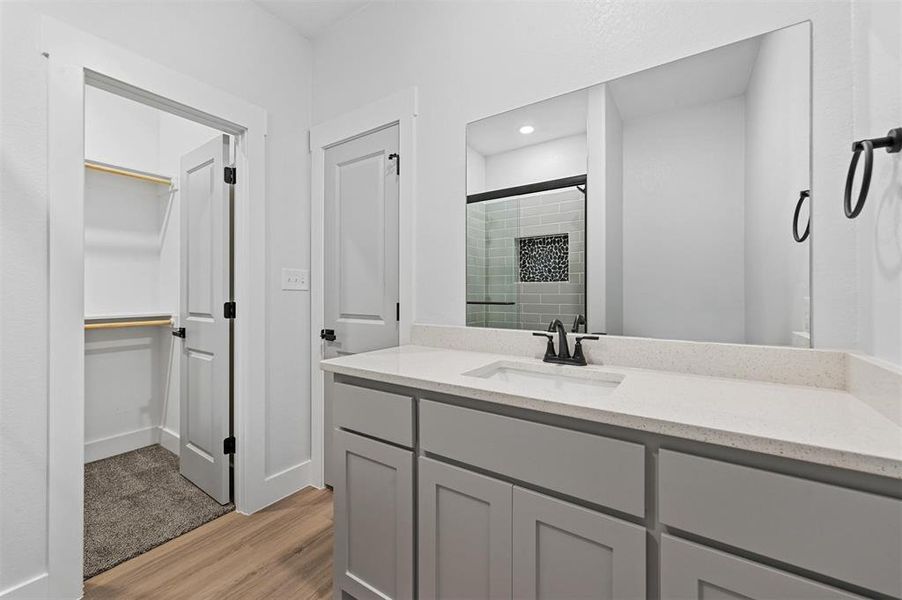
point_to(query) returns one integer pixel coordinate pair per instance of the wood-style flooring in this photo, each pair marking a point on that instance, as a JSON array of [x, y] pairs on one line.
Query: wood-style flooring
[[283, 551]]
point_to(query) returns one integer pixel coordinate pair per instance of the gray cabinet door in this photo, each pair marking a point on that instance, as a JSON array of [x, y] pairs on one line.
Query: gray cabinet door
[[373, 518], [464, 534], [565, 552], [694, 572]]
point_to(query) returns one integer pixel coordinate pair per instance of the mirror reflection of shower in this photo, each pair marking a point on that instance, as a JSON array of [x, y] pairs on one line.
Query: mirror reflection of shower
[[526, 255]]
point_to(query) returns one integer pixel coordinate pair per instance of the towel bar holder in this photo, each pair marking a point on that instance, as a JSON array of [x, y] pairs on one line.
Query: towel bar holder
[[892, 141]]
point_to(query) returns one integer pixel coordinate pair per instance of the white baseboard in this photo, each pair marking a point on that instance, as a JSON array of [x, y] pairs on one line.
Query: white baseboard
[[278, 486], [131, 440], [169, 440], [123, 442], [36, 587]]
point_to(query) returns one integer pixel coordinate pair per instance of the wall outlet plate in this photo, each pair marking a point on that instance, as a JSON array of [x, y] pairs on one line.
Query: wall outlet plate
[[295, 279]]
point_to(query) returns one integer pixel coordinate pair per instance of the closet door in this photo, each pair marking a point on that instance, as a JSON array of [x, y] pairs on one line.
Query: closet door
[[205, 290]]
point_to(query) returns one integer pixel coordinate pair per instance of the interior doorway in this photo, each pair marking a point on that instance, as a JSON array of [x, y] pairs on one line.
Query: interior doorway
[[77, 62], [158, 283]]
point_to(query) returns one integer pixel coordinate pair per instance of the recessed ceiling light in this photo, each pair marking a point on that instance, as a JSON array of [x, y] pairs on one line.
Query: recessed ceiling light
[[527, 129]]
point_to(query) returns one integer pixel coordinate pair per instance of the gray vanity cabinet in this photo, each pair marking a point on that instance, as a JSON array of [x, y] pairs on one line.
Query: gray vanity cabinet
[[693, 572], [374, 526], [566, 551], [464, 534]]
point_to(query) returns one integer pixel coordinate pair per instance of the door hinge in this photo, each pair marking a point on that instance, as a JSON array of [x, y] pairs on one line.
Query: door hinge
[[228, 445], [327, 334], [230, 174], [180, 332], [398, 312], [229, 310], [396, 157]]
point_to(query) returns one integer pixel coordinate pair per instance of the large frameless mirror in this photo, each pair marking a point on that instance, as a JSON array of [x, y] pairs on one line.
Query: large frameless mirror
[[670, 203]]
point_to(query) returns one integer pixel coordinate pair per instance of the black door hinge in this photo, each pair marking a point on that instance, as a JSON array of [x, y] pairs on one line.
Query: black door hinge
[[327, 334], [228, 445], [398, 312], [229, 310], [230, 174], [180, 332], [397, 157]]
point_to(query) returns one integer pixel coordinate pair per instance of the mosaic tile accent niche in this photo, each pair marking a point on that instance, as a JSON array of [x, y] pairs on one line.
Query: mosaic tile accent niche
[[544, 258]]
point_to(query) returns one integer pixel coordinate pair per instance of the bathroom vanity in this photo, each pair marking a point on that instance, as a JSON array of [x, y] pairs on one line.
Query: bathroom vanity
[[463, 474]]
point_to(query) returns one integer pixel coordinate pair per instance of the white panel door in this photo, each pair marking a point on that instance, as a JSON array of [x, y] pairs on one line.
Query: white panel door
[[361, 242], [360, 233], [205, 288]]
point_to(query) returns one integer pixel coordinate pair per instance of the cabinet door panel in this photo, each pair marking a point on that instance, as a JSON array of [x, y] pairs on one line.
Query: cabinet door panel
[[464, 533], [563, 551], [373, 518], [693, 572]]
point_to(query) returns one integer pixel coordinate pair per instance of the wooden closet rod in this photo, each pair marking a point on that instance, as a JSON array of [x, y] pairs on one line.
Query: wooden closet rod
[[89, 164], [123, 324]]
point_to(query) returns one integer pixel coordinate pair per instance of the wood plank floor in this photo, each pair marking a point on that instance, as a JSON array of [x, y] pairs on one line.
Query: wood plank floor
[[284, 551]]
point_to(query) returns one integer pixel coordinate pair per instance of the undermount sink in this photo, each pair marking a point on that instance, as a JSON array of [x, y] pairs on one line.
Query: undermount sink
[[549, 379]]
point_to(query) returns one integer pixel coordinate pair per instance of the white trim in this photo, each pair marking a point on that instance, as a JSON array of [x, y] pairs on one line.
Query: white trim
[[169, 439], [75, 58], [399, 108], [36, 587], [122, 442]]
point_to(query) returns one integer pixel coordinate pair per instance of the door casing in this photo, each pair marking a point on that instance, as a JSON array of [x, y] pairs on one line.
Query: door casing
[[76, 59]]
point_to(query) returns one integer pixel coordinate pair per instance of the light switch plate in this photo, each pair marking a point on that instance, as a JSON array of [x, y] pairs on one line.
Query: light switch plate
[[295, 279]]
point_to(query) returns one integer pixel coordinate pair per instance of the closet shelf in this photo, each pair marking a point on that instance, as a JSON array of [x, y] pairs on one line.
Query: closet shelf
[[125, 321], [127, 172]]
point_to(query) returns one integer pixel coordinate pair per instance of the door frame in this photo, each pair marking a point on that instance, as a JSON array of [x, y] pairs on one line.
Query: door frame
[[401, 109], [76, 59]]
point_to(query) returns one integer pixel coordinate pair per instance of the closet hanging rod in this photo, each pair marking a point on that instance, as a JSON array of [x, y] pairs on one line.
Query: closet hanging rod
[[105, 168], [125, 324]]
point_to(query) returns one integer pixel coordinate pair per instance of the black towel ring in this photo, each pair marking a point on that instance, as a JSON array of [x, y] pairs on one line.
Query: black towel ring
[[892, 142], [795, 218]]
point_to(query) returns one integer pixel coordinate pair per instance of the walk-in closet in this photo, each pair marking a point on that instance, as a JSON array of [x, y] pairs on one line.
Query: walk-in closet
[[138, 249]]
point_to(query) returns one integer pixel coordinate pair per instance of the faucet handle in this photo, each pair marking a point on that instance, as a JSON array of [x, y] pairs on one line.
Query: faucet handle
[[578, 356], [549, 348]]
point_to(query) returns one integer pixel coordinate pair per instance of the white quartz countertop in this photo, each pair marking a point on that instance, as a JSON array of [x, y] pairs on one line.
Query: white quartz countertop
[[823, 426]]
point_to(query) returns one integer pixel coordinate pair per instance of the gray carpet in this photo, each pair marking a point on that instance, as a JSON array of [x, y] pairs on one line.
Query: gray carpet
[[136, 501]]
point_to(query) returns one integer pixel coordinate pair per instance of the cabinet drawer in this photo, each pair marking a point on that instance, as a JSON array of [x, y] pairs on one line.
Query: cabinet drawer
[[379, 414], [849, 535], [693, 572], [597, 469]]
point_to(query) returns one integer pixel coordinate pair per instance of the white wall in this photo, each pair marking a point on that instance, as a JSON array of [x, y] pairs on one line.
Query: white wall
[[877, 55], [234, 46], [777, 169], [559, 47], [475, 171], [604, 211], [554, 159], [132, 266], [683, 239]]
